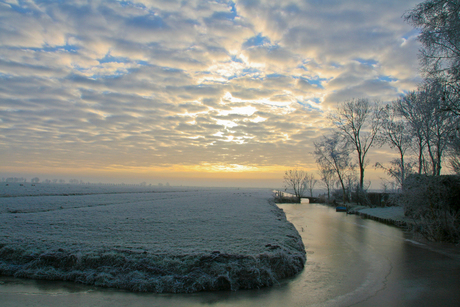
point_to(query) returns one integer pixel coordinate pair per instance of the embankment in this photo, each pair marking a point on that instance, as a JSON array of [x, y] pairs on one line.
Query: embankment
[[388, 215]]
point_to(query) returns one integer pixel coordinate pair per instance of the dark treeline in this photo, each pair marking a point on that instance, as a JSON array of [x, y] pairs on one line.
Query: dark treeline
[[36, 180]]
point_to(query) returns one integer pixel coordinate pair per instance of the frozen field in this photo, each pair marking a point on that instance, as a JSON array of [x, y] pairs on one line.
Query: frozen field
[[147, 238]]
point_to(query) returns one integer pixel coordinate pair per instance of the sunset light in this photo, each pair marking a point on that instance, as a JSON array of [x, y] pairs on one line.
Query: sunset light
[[211, 88]]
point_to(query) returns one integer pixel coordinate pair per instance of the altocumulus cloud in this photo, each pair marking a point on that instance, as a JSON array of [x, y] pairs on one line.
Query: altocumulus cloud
[[199, 85]]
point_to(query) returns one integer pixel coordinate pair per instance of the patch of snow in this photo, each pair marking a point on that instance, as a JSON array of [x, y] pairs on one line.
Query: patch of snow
[[414, 242]]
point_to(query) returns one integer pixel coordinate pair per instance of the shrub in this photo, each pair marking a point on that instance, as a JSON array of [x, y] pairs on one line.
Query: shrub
[[282, 198], [434, 204]]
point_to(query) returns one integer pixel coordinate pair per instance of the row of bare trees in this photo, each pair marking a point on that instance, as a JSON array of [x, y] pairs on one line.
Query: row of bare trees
[[418, 126], [299, 181], [357, 124], [356, 127], [439, 25], [422, 126]]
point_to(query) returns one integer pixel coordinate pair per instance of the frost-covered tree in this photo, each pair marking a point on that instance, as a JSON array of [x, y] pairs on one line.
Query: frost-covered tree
[[310, 182], [327, 177], [351, 182], [396, 133], [439, 23], [295, 180], [432, 127], [332, 152], [397, 171], [412, 108], [358, 122], [439, 124]]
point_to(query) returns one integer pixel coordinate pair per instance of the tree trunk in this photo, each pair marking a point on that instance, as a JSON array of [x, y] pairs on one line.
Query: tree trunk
[[433, 160], [438, 159], [420, 159], [361, 175], [403, 170], [343, 187]]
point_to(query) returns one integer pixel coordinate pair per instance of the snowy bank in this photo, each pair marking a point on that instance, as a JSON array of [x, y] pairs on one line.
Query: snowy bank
[[389, 215], [174, 241]]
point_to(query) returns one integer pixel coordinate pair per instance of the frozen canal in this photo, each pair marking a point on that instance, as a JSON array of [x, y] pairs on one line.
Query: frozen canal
[[350, 262]]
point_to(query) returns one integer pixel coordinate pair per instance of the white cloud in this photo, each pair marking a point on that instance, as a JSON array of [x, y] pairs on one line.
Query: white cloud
[[147, 83]]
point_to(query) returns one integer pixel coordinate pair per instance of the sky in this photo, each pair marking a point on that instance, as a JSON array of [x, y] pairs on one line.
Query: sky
[[218, 93]]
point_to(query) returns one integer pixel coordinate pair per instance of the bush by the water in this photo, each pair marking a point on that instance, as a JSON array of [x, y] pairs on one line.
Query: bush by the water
[[365, 198], [434, 204], [285, 198]]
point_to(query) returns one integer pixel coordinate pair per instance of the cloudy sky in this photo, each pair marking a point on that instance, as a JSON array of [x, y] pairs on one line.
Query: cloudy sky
[[190, 92]]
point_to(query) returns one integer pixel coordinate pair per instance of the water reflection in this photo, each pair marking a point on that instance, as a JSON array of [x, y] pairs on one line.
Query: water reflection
[[350, 261]]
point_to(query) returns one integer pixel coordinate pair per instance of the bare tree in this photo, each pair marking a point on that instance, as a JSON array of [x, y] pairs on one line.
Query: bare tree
[[398, 172], [412, 108], [359, 122], [310, 182], [433, 128], [333, 153], [327, 176], [395, 132], [439, 23], [351, 180], [295, 180], [440, 125]]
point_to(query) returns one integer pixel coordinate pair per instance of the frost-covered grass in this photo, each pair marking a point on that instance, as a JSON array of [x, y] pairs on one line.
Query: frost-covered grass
[[147, 239]]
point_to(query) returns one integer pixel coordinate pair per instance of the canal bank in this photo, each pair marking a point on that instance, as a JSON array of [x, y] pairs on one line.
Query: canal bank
[[388, 215]]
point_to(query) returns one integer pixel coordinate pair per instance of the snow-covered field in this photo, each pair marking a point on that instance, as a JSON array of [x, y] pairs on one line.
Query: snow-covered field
[[169, 239]]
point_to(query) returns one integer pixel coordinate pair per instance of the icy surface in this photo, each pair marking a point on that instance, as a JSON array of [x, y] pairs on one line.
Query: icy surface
[[147, 239]]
